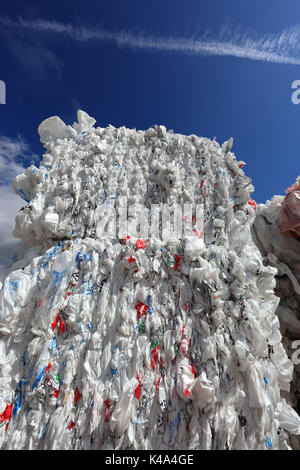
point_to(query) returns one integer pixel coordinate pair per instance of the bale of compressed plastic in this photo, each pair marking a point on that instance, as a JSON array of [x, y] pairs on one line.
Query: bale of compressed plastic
[[274, 232], [118, 332]]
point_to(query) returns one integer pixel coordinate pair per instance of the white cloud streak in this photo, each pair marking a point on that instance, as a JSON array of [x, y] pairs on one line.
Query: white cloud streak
[[280, 48]]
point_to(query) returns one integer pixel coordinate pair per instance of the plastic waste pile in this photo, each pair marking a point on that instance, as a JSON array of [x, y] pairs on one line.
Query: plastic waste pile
[[134, 341], [276, 233]]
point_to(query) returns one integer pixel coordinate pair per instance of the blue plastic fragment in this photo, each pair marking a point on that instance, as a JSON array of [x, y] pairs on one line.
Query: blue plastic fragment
[[38, 378], [23, 358], [18, 400], [14, 285], [24, 195], [269, 443], [57, 277], [151, 309]]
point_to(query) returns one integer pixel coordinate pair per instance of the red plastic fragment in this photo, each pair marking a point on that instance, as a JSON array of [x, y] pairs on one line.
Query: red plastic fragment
[[157, 384], [71, 425], [107, 404], [61, 326], [48, 367], [131, 259], [138, 389], [177, 261], [141, 309], [77, 396], [55, 393], [187, 392], [193, 371], [252, 203], [140, 244], [53, 325], [154, 355], [6, 414]]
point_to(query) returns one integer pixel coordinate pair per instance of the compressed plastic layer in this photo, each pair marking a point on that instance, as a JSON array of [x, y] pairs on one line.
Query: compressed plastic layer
[[281, 249], [143, 343]]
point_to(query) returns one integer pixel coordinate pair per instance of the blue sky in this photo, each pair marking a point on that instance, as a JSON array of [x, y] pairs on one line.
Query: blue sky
[[207, 67]]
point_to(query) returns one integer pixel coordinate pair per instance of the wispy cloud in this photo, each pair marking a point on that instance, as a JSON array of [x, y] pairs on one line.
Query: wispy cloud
[[36, 58], [15, 156], [229, 41], [34, 55]]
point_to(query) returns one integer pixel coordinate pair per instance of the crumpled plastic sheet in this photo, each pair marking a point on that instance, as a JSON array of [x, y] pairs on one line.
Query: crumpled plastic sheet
[[290, 211], [139, 343]]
